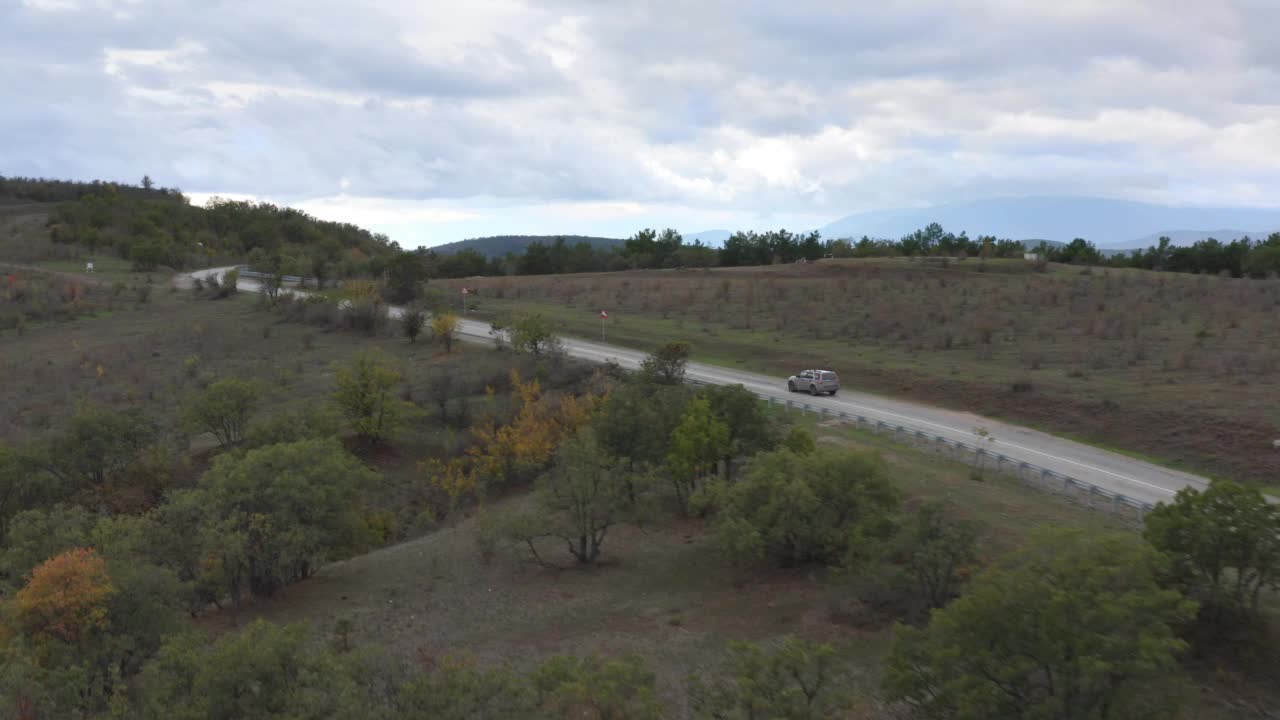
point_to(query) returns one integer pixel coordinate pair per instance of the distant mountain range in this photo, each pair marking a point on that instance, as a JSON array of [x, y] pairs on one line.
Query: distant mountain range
[[500, 245], [1106, 223]]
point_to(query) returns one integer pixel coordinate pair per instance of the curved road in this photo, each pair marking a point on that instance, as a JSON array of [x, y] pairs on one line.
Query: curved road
[[1122, 474]]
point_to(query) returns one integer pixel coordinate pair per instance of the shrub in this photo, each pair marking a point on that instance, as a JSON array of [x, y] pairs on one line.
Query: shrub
[[443, 326], [412, 319], [804, 508], [224, 409], [1073, 626], [364, 394]]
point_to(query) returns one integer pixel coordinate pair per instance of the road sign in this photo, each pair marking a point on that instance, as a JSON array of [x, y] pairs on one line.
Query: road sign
[[604, 315], [465, 291]]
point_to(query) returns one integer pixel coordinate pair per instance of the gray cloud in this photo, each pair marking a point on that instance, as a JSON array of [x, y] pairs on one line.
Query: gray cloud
[[801, 108]]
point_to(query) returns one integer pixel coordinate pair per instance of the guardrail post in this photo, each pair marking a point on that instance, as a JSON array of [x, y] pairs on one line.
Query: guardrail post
[[1093, 492]]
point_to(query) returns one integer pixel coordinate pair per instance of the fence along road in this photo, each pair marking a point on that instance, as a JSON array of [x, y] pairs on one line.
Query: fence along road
[[1101, 476]]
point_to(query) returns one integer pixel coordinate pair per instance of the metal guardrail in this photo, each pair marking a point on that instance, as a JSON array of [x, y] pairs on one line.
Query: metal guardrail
[[245, 272], [1051, 480]]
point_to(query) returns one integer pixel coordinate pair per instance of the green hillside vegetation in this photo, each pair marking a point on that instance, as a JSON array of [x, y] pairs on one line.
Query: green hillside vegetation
[[217, 504], [156, 227]]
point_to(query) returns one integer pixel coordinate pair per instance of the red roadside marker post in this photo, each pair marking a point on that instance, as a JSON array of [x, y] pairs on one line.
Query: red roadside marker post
[[603, 316]]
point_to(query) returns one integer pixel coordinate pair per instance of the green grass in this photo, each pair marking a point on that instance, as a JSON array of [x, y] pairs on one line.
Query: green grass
[[105, 267]]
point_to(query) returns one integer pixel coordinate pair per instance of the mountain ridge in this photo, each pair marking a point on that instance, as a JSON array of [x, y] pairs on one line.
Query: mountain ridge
[[499, 245], [1105, 222]]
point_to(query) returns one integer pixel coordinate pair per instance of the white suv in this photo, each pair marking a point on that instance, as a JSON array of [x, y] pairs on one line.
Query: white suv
[[815, 381]]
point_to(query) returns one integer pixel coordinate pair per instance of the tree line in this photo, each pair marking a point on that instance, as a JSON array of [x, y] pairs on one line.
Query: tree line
[[650, 249], [156, 226]]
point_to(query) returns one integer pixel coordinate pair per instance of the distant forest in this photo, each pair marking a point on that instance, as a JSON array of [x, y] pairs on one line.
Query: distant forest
[[155, 226], [499, 246]]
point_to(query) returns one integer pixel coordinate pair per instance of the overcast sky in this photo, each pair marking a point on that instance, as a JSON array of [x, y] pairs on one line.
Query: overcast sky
[[436, 121]]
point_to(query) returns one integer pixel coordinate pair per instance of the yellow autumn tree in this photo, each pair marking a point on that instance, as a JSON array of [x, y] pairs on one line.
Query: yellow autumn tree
[[502, 453], [66, 597]]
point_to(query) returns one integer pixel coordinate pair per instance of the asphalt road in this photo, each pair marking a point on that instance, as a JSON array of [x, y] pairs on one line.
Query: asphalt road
[[1119, 473]]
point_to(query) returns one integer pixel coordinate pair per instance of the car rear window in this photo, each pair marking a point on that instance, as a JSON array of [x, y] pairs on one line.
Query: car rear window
[[828, 376]]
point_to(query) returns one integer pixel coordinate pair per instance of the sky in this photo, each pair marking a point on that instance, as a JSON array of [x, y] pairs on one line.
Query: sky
[[435, 121]]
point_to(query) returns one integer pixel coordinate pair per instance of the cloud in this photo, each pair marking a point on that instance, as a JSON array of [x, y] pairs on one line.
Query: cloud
[[432, 118]]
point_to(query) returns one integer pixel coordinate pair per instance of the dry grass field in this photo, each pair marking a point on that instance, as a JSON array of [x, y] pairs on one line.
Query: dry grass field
[[1184, 369]]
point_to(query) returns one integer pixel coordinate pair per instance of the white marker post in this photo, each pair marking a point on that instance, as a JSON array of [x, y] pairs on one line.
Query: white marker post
[[603, 316], [464, 300]]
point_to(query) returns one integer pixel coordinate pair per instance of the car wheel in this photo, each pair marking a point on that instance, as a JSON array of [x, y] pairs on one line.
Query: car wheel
[[813, 390], [791, 387], [833, 393]]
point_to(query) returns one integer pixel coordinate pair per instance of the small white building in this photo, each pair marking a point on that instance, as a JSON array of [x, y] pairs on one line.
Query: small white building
[[1032, 257]]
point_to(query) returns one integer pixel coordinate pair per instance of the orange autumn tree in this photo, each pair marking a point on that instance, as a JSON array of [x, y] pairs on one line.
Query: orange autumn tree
[[66, 597], [501, 452]]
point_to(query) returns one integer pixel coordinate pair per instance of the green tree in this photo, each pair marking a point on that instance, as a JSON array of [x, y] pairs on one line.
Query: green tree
[[365, 394], [259, 673], [1264, 260], [924, 563], [150, 252], [1074, 627], [275, 515], [98, 443], [799, 441], [636, 422], [805, 508], [572, 688], [460, 691], [666, 366], [697, 444], [412, 320], [406, 273], [532, 334], [794, 680], [38, 534], [1224, 544], [224, 409], [314, 421], [20, 486], [585, 494], [743, 414]]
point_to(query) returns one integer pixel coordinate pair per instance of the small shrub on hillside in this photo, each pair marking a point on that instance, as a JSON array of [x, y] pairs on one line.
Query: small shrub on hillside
[[412, 319], [224, 409], [310, 422], [364, 393], [804, 508], [792, 679]]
